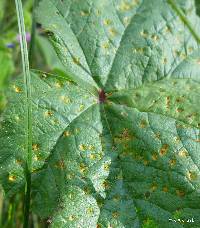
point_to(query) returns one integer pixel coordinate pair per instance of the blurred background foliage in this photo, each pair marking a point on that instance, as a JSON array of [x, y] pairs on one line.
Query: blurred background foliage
[[43, 58]]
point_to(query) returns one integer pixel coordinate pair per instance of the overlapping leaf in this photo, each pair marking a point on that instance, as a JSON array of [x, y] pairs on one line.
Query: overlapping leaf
[[132, 160]]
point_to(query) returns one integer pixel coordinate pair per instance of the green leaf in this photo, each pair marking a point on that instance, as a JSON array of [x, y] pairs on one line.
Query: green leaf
[[130, 157], [7, 68], [49, 55]]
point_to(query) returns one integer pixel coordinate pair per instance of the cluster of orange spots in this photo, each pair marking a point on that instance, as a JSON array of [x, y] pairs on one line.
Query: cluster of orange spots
[[60, 164], [164, 149]]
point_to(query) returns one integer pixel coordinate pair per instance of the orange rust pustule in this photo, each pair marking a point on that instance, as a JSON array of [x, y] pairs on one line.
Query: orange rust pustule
[[102, 96]]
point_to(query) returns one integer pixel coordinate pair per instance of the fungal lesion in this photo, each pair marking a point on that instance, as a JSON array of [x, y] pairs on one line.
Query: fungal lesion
[[164, 149], [48, 113], [12, 177], [66, 133], [17, 89], [35, 147]]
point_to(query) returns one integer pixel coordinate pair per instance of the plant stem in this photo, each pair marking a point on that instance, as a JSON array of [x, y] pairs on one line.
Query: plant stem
[[27, 87], [184, 19], [33, 28]]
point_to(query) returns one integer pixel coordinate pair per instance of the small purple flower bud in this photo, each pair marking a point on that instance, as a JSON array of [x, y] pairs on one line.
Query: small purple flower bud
[[10, 45], [28, 37]]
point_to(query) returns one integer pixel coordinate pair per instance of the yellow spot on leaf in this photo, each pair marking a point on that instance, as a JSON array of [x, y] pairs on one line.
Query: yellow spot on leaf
[[192, 175], [35, 147], [65, 99], [82, 168], [155, 37], [115, 214], [76, 61], [107, 22], [81, 107], [60, 164], [144, 34], [183, 153], [106, 184], [48, 113], [84, 13], [106, 167], [12, 178], [105, 45], [113, 31], [153, 187], [179, 110], [90, 210], [180, 193], [172, 162], [17, 89], [164, 149], [165, 189], [72, 218], [154, 156], [82, 147], [58, 85], [91, 147], [143, 124], [66, 133], [19, 161]]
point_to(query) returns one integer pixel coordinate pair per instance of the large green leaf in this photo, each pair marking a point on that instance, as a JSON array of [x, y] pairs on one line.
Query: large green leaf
[[130, 159]]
